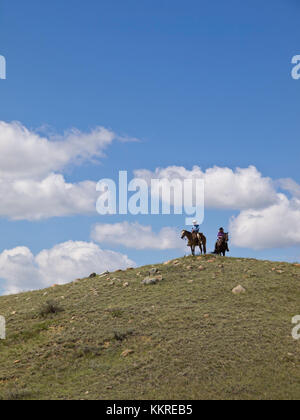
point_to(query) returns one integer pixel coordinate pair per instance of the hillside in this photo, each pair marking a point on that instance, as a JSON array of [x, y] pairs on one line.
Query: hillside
[[186, 337]]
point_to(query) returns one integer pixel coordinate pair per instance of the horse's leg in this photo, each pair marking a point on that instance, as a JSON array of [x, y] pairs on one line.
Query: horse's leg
[[204, 247], [200, 246]]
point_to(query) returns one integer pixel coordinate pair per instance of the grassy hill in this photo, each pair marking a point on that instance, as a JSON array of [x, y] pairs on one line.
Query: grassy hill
[[186, 337]]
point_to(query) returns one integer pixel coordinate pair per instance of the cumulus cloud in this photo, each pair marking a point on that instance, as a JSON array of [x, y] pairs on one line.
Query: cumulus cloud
[[291, 186], [18, 269], [52, 196], [225, 188], [137, 236], [25, 154], [275, 226], [30, 186], [267, 217], [22, 271]]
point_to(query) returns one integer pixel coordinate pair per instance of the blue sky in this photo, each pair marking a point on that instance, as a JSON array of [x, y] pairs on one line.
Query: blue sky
[[198, 83]]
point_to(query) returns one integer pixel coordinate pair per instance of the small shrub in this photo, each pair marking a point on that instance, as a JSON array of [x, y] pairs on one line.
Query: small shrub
[[16, 395], [115, 312], [88, 351], [122, 335], [50, 308]]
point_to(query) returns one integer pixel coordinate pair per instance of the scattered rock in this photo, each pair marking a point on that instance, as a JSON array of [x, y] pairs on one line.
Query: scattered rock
[[153, 271], [105, 273], [279, 271], [189, 267], [127, 353], [130, 269], [148, 281], [201, 268], [125, 284], [92, 276], [167, 262], [238, 290]]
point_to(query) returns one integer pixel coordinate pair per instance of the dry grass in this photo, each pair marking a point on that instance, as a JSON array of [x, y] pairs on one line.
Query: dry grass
[[187, 337]]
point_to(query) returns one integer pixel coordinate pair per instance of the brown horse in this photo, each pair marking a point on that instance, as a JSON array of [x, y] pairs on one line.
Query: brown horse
[[222, 245], [194, 240]]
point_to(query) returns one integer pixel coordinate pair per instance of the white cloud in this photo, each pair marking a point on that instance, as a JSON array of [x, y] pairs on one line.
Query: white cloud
[[17, 268], [30, 188], [52, 196], [137, 236], [291, 186], [23, 271], [25, 154], [275, 226], [267, 218], [224, 188]]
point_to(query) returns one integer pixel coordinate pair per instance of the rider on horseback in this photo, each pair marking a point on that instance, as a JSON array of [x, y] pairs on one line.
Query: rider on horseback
[[221, 233], [221, 238], [196, 227]]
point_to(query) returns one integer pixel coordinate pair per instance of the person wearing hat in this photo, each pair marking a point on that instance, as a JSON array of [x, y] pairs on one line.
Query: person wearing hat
[[196, 227], [221, 235]]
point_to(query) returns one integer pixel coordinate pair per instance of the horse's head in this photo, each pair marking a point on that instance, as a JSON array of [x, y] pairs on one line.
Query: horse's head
[[226, 237], [183, 234]]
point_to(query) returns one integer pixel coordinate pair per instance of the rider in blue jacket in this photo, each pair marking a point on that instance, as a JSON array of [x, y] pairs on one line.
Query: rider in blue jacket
[[196, 227]]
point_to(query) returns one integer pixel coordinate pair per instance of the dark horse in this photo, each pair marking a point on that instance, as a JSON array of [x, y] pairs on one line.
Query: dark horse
[[194, 240], [222, 245]]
